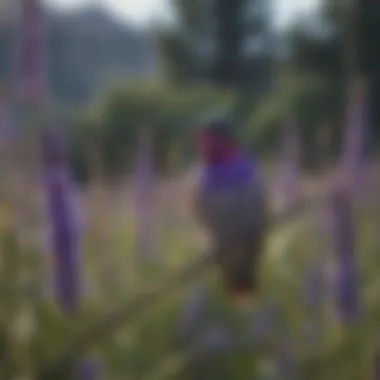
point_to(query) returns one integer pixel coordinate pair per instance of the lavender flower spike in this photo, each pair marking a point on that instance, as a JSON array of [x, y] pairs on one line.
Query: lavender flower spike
[[5, 120], [346, 276], [263, 322], [288, 179], [64, 233], [314, 286], [143, 183], [192, 312], [356, 136], [215, 339], [30, 52], [286, 366], [89, 368], [313, 299], [376, 364]]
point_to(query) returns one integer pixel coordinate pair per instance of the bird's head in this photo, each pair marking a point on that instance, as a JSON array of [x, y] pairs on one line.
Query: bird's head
[[215, 143]]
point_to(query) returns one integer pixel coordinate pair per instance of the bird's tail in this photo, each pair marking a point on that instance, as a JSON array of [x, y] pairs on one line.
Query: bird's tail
[[241, 286], [240, 266], [240, 272]]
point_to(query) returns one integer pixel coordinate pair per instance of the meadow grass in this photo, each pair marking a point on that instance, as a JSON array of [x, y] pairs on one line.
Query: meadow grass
[[149, 347]]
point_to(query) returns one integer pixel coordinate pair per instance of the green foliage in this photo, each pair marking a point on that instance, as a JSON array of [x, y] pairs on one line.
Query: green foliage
[[149, 348], [305, 97], [110, 126], [212, 42], [324, 53]]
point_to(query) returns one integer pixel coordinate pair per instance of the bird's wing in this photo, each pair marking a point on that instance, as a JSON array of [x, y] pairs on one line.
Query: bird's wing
[[233, 215]]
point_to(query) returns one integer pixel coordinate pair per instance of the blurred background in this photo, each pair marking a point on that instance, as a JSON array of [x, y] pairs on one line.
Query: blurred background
[[103, 273]]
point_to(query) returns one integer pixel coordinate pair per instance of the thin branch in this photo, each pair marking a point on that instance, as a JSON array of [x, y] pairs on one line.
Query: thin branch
[[108, 324]]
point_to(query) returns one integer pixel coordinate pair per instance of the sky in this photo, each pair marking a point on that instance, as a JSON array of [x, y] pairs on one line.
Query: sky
[[140, 12]]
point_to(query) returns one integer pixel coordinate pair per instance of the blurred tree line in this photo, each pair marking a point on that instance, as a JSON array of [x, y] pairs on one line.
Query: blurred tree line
[[106, 133], [226, 47], [323, 51], [85, 49], [218, 56]]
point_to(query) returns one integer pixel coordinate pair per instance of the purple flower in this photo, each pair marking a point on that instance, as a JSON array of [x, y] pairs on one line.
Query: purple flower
[[376, 365], [5, 122], [144, 181], [313, 295], [89, 368], [215, 339], [192, 312], [314, 286], [355, 137], [347, 274], [263, 323], [288, 178], [286, 368], [64, 232], [31, 50]]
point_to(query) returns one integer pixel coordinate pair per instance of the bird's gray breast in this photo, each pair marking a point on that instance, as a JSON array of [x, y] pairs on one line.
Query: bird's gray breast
[[231, 215]]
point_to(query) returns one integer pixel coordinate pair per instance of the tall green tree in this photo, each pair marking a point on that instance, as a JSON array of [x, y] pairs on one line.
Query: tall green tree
[[348, 48], [220, 41]]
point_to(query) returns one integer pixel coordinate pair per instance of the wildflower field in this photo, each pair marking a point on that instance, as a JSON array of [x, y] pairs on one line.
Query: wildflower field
[[117, 313], [109, 277]]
